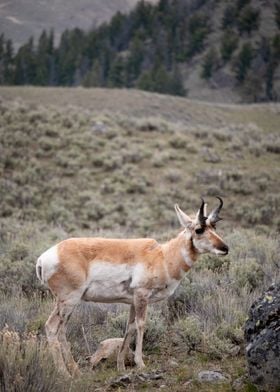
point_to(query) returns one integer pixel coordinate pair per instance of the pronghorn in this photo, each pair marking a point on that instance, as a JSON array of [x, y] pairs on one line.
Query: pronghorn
[[131, 271]]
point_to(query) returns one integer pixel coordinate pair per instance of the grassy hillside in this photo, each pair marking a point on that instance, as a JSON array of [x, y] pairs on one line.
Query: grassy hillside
[[72, 165], [113, 163]]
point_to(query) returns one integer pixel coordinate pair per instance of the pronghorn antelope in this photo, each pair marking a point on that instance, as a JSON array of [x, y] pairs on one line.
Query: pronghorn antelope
[[131, 271]]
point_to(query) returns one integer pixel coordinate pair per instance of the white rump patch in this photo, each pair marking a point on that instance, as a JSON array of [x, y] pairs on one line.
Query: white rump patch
[[48, 262]]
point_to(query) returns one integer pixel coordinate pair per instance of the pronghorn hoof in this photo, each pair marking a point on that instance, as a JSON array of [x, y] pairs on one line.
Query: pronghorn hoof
[[141, 366], [121, 367]]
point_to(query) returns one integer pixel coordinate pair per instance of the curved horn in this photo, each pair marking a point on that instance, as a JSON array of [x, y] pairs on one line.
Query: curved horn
[[205, 209], [214, 215], [200, 213]]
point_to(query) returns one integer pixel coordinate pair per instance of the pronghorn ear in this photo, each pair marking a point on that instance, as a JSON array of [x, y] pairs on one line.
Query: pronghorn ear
[[184, 219]]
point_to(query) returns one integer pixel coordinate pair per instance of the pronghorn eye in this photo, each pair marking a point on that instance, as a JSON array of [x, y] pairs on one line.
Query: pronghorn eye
[[200, 230]]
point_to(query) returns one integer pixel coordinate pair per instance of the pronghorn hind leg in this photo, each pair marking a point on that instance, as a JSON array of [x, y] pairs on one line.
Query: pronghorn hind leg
[[140, 303], [130, 328], [53, 326], [65, 313]]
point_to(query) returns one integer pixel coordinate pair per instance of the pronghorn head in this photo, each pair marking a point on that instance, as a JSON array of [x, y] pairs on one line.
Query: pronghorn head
[[202, 229]]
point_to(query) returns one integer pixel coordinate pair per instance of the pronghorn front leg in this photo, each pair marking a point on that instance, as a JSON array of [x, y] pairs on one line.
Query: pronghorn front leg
[[140, 304], [130, 328]]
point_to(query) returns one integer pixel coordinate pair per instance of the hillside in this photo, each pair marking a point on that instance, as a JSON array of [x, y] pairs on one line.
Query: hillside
[[127, 144], [100, 162], [21, 20], [204, 49]]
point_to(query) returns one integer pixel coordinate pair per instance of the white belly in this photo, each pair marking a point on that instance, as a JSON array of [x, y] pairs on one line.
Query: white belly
[[109, 283], [112, 283]]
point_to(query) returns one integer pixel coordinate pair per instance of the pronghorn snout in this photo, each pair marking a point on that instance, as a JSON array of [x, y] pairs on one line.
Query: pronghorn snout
[[224, 248]]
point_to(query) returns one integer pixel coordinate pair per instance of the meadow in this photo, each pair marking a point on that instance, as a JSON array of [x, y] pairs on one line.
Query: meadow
[[96, 162]]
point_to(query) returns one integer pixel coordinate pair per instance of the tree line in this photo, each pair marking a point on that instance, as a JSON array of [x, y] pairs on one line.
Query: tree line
[[151, 48]]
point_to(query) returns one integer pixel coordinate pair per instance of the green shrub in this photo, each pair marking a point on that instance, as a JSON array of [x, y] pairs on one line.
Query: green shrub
[[217, 348], [155, 330], [214, 263], [178, 141], [173, 176], [248, 273], [117, 325], [187, 332]]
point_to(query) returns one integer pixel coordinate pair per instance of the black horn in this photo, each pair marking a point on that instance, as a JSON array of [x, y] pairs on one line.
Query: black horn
[[200, 214], [214, 215]]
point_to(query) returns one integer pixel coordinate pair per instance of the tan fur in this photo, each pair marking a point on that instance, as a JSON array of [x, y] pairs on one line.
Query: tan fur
[[76, 255], [107, 349]]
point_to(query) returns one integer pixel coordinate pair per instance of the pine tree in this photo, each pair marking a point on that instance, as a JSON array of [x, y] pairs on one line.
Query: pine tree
[[8, 61], [69, 48], [94, 77], [26, 64], [272, 64], [229, 43], [229, 17], [248, 20], [159, 80], [210, 63], [42, 59], [2, 44], [198, 30], [277, 14], [243, 61], [117, 75], [135, 59], [252, 89], [176, 84]]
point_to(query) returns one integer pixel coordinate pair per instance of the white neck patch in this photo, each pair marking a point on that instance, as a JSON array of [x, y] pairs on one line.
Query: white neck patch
[[186, 258]]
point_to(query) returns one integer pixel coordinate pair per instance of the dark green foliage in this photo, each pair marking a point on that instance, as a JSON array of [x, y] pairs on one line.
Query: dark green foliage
[[248, 19], [116, 76], [198, 30], [147, 47], [159, 80], [229, 43], [129, 50], [6, 61], [243, 61], [210, 63], [229, 16], [252, 87], [276, 47], [277, 14], [240, 4]]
